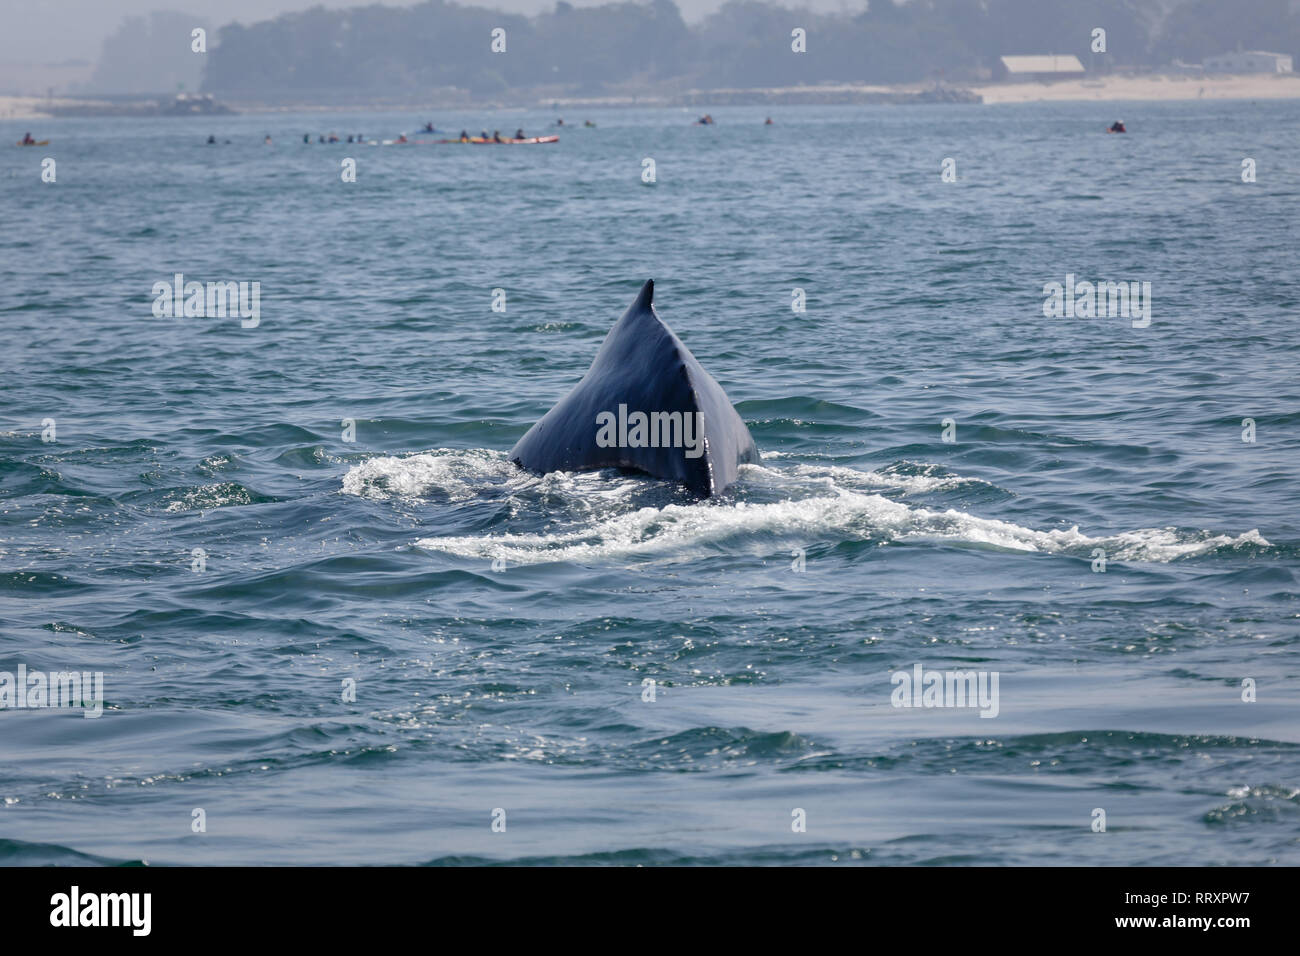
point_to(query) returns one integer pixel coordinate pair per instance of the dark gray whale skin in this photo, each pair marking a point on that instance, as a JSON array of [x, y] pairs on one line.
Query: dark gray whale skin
[[643, 365]]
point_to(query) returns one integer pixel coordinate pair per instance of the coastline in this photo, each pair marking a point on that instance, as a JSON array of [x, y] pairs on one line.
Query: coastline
[[1150, 87]]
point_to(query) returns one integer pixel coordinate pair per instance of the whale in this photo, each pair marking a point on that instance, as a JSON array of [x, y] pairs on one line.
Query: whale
[[645, 405]]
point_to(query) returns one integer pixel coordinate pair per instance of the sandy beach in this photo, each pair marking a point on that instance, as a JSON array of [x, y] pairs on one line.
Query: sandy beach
[[1148, 87], [29, 107]]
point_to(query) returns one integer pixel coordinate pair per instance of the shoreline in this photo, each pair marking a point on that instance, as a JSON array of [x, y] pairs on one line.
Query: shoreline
[[1147, 86], [1150, 87]]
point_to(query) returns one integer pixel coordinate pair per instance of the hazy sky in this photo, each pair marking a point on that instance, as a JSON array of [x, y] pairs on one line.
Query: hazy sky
[[54, 31]]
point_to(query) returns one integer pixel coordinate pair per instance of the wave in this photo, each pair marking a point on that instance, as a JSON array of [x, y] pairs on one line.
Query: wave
[[453, 474], [22, 853], [799, 505]]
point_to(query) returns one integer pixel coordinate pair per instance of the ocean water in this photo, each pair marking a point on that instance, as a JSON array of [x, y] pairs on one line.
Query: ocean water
[[501, 628]]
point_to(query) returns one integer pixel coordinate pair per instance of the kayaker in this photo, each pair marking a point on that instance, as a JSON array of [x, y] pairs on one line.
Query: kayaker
[[27, 139], [464, 136], [306, 138], [1118, 127], [519, 133], [482, 134], [589, 124], [496, 136], [428, 127]]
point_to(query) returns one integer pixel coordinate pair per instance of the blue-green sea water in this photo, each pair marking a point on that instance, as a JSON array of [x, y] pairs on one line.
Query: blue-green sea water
[[520, 695]]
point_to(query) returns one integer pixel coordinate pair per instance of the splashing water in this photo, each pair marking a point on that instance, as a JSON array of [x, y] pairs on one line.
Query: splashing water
[[815, 503]]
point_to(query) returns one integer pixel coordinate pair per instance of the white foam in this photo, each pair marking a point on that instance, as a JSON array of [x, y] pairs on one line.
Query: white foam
[[675, 529], [822, 504], [457, 473], [930, 479]]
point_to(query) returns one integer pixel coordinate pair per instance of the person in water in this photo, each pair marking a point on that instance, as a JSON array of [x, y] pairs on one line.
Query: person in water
[[519, 133], [768, 121], [212, 141], [589, 124], [267, 141], [1118, 127], [560, 121]]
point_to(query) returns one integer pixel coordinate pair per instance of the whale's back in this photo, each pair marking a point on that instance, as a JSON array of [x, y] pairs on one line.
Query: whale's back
[[642, 367]]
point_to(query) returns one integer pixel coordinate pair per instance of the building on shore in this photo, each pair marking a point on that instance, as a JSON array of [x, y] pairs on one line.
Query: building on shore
[[1040, 68], [1248, 61]]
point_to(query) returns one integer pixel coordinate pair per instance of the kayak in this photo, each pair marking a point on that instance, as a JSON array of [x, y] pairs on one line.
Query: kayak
[[474, 140], [526, 141], [39, 142]]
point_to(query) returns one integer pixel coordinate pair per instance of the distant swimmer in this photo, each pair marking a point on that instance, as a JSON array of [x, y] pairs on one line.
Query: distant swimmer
[[705, 120], [212, 141], [306, 138], [560, 121], [589, 124], [519, 133], [768, 121], [1117, 127], [267, 141]]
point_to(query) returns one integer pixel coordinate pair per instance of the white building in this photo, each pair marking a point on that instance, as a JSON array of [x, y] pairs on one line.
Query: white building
[[1047, 67], [1248, 61]]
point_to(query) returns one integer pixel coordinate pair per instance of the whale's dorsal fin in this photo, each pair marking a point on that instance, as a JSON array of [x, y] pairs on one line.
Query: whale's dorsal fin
[[646, 297]]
